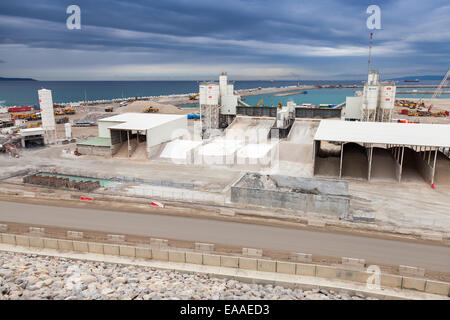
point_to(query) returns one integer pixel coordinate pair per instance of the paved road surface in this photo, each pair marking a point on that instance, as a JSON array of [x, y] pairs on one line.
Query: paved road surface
[[232, 233]]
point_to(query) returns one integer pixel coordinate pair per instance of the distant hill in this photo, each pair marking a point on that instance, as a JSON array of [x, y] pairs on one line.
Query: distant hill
[[16, 79], [420, 78]]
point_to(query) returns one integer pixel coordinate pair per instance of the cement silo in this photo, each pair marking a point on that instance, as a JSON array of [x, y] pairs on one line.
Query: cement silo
[[223, 83], [387, 101]]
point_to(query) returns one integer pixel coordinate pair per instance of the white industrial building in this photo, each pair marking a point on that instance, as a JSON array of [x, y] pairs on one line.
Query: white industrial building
[[368, 149], [136, 134], [376, 102]]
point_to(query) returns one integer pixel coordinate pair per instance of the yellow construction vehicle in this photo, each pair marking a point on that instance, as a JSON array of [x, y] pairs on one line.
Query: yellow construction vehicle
[[151, 110], [35, 116], [68, 110], [260, 103], [413, 114], [194, 96], [58, 113], [109, 109]]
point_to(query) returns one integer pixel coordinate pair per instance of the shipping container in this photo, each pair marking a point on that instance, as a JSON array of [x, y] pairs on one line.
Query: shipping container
[[19, 109]]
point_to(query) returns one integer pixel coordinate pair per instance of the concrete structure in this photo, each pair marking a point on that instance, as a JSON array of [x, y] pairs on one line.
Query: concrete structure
[[295, 193], [375, 104], [47, 113], [217, 104], [422, 142], [140, 133], [32, 137]]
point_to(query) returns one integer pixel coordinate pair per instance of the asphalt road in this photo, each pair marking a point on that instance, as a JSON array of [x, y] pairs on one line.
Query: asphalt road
[[376, 250]]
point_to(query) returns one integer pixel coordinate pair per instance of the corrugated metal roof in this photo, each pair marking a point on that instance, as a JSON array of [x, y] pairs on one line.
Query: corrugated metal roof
[[414, 134], [140, 121], [96, 142]]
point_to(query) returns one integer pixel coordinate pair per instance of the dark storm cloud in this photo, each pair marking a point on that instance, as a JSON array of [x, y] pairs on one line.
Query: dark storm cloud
[[291, 33]]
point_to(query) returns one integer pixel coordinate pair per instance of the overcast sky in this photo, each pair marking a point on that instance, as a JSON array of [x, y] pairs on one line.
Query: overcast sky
[[197, 39]]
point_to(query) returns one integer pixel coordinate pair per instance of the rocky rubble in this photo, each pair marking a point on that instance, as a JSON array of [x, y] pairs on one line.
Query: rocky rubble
[[29, 276]]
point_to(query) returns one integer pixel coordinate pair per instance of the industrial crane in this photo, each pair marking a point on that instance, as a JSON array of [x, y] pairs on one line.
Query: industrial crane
[[442, 86]]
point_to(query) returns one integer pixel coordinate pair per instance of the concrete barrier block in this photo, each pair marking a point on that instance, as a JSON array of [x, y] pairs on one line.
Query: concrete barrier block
[[251, 252], [411, 271], [437, 287], [301, 257], [127, 251], [353, 261], [145, 253], [80, 246], [75, 234], [228, 261], [66, 245], [177, 256], [248, 263], [8, 238], [345, 274], [204, 246], [162, 255], [23, 241], [95, 247], [36, 242], [285, 267], [163, 243], [38, 231], [115, 237], [211, 259], [267, 265], [51, 243], [194, 257], [325, 272], [111, 249], [3, 227], [304, 269], [390, 280], [413, 283], [363, 276]]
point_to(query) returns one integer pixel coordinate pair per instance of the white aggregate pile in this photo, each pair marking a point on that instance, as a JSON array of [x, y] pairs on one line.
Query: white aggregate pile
[[26, 277]]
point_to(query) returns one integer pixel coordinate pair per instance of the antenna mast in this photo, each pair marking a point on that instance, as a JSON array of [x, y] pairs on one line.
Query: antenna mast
[[370, 52]]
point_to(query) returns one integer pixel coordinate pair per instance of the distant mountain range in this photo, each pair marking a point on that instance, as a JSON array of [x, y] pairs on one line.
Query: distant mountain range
[[419, 78], [16, 79]]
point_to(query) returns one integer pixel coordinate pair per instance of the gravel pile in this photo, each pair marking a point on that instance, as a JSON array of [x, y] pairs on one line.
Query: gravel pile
[[29, 276], [95, 116]]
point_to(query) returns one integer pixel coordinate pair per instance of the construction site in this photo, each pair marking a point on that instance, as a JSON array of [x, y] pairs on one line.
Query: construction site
[[157, 150]]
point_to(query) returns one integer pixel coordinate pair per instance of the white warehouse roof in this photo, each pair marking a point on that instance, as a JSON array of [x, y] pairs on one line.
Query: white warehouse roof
[[140, 121], [413, 134]]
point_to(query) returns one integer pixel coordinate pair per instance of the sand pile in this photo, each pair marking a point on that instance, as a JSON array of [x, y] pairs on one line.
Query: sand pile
[[95, 116], [139, 106]]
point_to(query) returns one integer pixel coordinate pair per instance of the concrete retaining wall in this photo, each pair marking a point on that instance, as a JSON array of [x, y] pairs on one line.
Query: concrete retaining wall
[[265, 265], [303, 199]]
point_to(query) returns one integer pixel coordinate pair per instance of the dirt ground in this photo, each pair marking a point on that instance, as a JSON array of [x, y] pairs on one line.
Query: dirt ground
[[438, 105]]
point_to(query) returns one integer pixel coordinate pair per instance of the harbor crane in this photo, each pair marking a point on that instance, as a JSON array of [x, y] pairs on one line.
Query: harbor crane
[[442, 86]]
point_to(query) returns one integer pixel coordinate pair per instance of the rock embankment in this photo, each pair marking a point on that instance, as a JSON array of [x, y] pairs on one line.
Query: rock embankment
[[29, 276]]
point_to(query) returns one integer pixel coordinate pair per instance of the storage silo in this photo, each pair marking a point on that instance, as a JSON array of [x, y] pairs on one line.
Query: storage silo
[[387, 96], [230, 89], [68, 129], [47, 113], [223, 82], [370, 100], [212, 94]]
